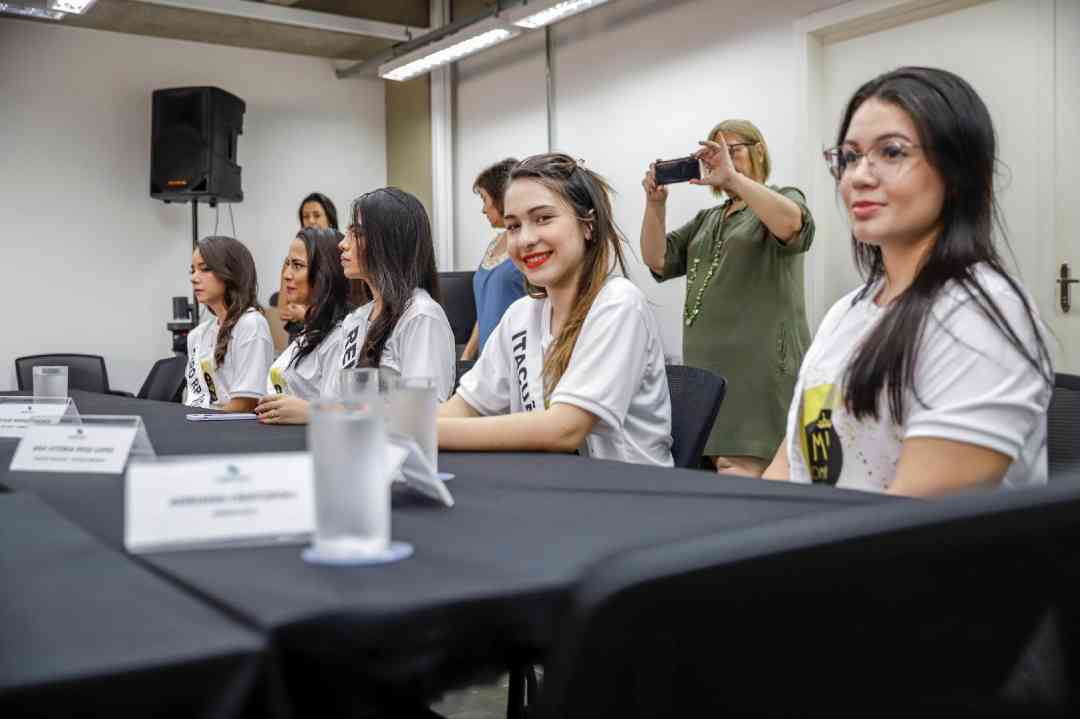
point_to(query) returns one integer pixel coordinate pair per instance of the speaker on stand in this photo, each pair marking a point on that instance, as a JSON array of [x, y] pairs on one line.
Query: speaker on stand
[[193, 157]]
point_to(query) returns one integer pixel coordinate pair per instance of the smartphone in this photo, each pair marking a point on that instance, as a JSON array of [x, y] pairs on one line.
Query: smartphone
[[682, 169], [221, 417]]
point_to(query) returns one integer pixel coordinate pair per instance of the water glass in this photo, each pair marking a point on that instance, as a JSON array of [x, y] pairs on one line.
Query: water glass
[[50, 381], [360, 384], [412, 410], [348, 447]]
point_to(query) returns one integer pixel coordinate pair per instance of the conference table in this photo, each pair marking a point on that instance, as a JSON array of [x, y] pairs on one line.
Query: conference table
[[483, 591]]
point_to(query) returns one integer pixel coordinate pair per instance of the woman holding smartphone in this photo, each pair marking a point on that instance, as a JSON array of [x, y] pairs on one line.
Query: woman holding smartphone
[[230, 354], [933, 376], [745, 314], [577, 365], [312, 278]]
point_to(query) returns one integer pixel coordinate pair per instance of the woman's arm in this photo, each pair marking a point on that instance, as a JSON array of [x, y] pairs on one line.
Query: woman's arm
[[781, 216], [471, 346], [779, 467], [457, 407], [653, 233], [561, 428], [931, 466]]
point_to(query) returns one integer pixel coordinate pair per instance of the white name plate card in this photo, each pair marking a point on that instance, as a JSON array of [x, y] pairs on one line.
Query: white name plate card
[[217, 501], [98, 444], [18, 413]]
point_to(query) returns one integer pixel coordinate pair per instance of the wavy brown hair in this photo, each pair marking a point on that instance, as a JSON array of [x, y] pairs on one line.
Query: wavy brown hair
[[231, 262], [589, 197]]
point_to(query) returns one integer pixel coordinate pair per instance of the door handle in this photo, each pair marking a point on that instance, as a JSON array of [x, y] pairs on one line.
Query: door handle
[[1064, 280]]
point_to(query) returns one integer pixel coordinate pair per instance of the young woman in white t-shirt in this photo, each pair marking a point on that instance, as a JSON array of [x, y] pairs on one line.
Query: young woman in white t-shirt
[[229, 354], [577, 364], [312, 279], [933, 377], [400, 327]]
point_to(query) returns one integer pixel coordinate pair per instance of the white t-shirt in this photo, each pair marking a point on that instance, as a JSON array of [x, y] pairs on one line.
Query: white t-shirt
[[616, 372], [243, 374], [308, 378], [970, 385], [420, 345]]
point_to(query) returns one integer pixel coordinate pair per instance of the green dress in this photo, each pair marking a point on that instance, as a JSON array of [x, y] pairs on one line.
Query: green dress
[[745, 319]]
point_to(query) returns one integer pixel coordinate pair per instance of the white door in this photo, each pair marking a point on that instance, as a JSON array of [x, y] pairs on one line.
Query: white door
[[1023, 58]]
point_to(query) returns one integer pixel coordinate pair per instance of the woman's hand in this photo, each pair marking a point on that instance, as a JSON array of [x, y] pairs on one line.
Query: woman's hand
[[292, 312], [719, 170], [654, 194], [282, 409]]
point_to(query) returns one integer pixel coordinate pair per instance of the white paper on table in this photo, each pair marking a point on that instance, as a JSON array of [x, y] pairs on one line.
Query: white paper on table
[[18, 413], [98, 444], [409, 463]]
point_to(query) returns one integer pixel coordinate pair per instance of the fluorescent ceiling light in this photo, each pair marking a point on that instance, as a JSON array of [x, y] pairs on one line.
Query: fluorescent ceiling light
[[463, 43], [29, 11], [558, 11], [77, 7]]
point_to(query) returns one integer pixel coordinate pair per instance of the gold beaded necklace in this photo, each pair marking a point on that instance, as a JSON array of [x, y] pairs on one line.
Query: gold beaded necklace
[[690, 312]]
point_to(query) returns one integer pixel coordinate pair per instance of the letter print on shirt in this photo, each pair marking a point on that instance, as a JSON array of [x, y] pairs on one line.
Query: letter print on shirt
[[348, 357], [519, 345], [821, 447]]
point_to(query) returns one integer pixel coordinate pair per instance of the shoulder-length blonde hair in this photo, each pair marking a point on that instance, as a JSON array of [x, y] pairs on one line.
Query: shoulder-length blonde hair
[[589, 197], [748, 132]]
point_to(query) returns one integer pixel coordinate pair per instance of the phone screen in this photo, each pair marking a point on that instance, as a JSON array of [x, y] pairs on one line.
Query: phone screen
[[668, 172]]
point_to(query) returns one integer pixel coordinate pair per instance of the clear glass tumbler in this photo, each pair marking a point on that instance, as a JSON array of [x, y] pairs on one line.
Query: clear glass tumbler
[[412, 410], [348, 442], [50, 381], [360, 384]]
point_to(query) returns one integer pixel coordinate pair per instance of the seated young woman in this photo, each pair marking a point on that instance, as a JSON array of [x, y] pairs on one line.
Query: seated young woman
[[229, 354], [577, 365], [400, 327], [312, 278], [933, 376]]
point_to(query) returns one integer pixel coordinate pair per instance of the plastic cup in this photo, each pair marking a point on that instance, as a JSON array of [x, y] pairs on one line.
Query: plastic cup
[[360, 384], [412, 410], [50, 381], [347, 440]]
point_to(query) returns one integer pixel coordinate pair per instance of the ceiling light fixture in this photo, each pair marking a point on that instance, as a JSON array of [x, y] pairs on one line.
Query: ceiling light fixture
[[29, 11], [556, 12], [76, 7], [465, 42]]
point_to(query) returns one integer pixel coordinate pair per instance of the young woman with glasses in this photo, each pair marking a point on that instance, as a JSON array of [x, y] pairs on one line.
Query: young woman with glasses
[[745, 312], [933, 376]]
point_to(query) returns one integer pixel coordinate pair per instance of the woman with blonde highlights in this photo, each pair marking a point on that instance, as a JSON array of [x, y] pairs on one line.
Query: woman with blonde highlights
[[577, 364], [745, 312]]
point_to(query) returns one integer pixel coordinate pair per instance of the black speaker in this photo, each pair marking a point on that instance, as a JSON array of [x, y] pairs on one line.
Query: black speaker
[[193, 145]]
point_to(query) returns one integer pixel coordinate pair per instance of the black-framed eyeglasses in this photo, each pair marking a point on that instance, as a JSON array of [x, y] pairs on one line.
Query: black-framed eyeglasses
[[732, 146], [885, 159]]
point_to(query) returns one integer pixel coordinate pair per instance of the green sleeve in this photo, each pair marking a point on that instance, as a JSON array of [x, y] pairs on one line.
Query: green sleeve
[[800, 242], [677, 243]]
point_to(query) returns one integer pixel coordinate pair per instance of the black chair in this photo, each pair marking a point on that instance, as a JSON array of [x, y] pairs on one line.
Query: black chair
[[165, 383], [888, 609], [85, 372], [459, 304], [696, 396], [1063, 426]]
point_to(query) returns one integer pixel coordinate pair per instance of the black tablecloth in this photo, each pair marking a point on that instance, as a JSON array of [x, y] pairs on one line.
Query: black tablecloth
[[85, 631], [487, 580]]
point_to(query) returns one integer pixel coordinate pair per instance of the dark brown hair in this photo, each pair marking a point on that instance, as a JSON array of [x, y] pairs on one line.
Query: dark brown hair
[[231, 262], [494, 181], [329, 299]]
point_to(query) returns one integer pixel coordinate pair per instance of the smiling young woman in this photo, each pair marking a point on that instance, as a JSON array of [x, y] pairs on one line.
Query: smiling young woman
[[577, 365], [933, 377]]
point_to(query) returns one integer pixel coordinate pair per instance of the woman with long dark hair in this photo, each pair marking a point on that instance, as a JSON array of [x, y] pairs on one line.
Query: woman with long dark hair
[[313, 279], [400, 326], [230, 354], [318, 211], [578, 363], [933, 376]]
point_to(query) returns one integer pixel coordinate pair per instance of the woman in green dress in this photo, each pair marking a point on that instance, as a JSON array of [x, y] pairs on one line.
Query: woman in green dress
[[745, 313]]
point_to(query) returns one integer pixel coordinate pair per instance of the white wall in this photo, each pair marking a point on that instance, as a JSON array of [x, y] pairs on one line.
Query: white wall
[[636, 80], [90, 260]]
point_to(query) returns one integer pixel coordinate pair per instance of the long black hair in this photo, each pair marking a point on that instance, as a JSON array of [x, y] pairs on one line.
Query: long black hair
[[396, 251], [328, 299], [232, 263], [957, 136], [327, 205]]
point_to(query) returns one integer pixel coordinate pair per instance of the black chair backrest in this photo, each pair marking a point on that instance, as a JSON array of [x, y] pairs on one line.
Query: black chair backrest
[[165, 383], [696, 396], [895, 606], [463, 366], [85, 372], [1063, 426], [458, 303]]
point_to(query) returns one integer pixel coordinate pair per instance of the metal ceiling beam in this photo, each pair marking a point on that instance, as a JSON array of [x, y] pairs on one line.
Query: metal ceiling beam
[[285, 15]]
